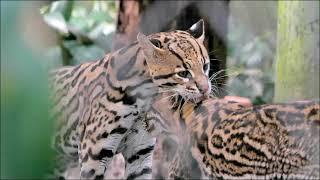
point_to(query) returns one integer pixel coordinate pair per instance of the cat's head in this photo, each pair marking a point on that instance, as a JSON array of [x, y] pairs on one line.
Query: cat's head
[[178, 61]]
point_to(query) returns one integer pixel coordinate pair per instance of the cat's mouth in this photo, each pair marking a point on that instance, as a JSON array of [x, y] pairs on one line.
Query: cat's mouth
[[195, 98]]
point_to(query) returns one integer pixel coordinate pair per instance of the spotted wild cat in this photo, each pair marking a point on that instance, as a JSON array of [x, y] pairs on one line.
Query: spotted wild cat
[[230, 141], [100, 106]]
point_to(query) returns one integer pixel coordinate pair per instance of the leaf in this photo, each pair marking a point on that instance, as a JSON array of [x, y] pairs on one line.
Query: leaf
[[100, 16], [81, 53], [56, 21], [87, 53], [104, 41], [79, 23], [63, 7], [44, 9], [102, 35], [70, 44]]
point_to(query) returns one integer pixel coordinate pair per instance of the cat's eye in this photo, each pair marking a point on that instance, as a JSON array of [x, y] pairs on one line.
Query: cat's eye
[[184, 74], [205, 67], [156, 43]]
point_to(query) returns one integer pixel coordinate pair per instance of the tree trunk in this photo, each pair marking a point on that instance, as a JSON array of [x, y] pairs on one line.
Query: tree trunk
[[297, 65], [127, 23]]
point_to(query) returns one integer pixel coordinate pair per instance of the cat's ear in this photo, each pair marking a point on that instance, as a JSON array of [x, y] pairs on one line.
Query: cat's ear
[[197, 30], [151, 48]]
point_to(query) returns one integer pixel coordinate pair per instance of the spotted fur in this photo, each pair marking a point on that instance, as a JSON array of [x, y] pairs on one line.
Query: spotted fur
[[229, 141], [100, 106]]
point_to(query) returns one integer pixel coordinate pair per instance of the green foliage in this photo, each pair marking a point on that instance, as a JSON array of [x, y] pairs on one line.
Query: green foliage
[[253, 76], [25, 128], [85, 30]]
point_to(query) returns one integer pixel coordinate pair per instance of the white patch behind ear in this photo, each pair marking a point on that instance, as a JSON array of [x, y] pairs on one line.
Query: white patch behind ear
[[197, 30], [193, 27]]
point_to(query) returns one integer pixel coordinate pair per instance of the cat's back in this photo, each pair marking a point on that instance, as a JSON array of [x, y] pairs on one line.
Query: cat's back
[[278, 140]]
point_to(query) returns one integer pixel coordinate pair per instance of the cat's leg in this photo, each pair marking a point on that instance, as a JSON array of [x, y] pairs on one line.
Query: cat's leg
[[138, 150], [174, 169], [66, 157], [73, 170], [95, 160], [98, 146], [184, 166], [179, 169]]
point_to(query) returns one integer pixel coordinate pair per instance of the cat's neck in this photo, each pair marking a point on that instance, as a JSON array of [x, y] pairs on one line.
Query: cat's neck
[[190, 115], [128, 65], [174, 111], [128, 74]]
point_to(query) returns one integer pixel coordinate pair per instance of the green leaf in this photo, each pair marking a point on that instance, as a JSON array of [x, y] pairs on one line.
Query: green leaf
[[87, 53], [81, 53], [44, 9], [79, 23], [63, 7], [100, 16], [56, 21], [102, 35]]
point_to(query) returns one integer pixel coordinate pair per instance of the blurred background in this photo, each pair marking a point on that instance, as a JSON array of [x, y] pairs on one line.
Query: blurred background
[[267, 51]]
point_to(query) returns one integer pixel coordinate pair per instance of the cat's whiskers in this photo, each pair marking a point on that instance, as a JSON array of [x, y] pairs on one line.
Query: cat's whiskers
[[232, 74], [215, 89], [169, 96], [213, 51], [214, 75], [215, 59]]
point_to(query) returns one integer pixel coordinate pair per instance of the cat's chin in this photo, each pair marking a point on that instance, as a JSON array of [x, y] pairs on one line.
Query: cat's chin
[[197, 99]]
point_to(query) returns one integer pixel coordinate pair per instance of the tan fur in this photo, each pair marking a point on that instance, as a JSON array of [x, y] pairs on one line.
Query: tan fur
[[231, 141], [100, 106]]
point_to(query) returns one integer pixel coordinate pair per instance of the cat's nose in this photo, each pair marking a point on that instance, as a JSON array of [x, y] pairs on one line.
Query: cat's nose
[[204, 88]]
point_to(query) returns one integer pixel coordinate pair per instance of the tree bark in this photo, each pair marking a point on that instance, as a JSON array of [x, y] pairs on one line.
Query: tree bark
[[127, 23], [297, 65]]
